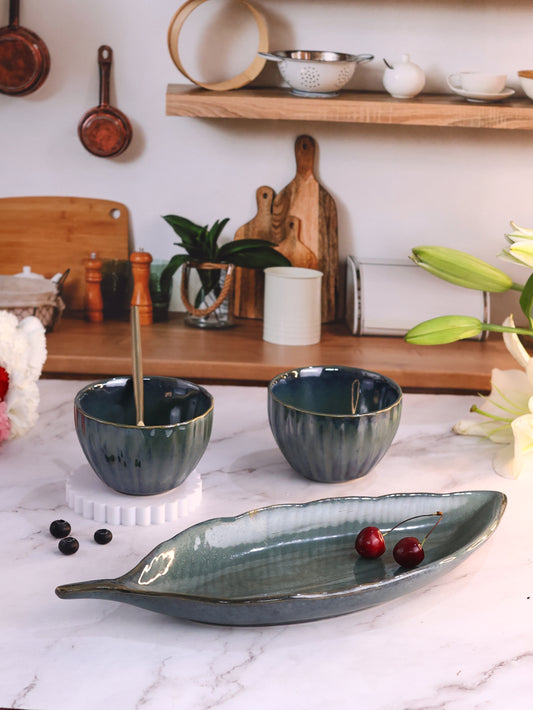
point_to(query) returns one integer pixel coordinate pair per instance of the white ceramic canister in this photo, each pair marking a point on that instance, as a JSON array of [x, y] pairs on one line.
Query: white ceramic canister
[[404, 79], [292, 310]]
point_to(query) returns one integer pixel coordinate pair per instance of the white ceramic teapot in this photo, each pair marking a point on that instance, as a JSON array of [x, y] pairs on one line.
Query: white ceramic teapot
[[404, 79]]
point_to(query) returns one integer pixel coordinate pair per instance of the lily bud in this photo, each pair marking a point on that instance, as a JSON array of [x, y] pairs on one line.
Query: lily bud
[[444, 329], [461, 269]]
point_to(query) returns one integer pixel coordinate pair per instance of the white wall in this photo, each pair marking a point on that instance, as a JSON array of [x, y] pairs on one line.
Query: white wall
[[395, 187]]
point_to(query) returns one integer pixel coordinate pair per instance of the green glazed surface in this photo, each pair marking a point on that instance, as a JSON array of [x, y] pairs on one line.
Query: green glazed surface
[[150, 459], [333, 424], [291, 563]]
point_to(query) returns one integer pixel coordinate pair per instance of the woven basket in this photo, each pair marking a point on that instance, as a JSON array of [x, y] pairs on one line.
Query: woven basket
[[31, 297]]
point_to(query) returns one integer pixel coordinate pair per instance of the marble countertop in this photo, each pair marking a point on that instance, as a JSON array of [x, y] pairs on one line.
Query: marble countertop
[[464, 641]]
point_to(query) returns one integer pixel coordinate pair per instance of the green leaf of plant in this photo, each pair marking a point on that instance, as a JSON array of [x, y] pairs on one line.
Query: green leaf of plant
[[213, 236], [196, 252], [199, 297], [171, 268], [209, 279], [238, 245], [183, 227], [260, 258], [526, 300]]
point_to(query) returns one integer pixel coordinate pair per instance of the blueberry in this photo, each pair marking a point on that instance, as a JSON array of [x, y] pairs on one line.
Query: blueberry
[[60, 528], [68, 545], [103, 536]]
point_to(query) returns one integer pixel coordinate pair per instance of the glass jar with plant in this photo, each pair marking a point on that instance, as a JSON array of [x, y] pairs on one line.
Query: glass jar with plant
[[208, 301]]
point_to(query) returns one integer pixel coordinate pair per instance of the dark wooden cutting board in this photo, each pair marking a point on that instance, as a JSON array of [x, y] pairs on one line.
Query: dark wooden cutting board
[[306, 199], [250, 283]]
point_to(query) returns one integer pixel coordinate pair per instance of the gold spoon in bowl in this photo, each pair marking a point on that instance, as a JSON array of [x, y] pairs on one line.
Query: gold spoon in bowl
[[136, 352]]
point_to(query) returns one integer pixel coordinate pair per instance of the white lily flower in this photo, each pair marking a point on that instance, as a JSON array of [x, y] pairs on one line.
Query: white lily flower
[[521, 230], [506, 415], [513, 237], [517, 457], [511, 391], [505, 255], [514, 344], [522, 250]]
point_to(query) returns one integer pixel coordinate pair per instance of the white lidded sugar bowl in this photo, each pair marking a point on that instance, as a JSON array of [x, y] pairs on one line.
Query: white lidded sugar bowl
[[404, 79]]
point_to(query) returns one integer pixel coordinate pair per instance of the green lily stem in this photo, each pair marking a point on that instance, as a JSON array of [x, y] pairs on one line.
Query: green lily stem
[[507, 329], [516, 287]]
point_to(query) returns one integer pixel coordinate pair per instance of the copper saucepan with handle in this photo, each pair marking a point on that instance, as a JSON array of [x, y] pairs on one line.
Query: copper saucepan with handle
[[24, 57], [104, 130]]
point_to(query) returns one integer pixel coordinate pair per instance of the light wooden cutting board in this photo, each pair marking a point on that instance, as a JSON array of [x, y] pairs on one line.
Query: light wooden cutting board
[[52, 234], [306, 199]]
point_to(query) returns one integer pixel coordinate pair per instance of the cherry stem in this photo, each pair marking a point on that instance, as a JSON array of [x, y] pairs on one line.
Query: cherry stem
[[415, 517], [433, 528]]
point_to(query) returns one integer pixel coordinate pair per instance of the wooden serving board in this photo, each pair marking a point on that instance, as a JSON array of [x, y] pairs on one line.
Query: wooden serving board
[[304, 198], [53, 234], [250, 283], [294, 249]]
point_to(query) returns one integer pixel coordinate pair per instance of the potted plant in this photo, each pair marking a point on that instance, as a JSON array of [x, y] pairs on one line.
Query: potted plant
[[214, 263]]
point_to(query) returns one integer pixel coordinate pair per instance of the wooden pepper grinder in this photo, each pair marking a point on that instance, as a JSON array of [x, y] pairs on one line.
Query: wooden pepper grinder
[[94, 305], [140, 268]]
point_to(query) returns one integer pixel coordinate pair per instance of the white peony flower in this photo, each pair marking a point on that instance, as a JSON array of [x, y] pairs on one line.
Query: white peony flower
[[22, 356], [22, 407], [35, 337]]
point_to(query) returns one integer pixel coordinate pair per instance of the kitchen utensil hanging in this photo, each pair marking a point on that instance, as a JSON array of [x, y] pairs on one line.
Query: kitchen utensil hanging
[[246, 76], [104, 130], [24, 57]]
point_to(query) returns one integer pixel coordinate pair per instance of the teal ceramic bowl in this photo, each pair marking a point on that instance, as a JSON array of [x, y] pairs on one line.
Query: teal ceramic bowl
[[150, 459], [333, 424]]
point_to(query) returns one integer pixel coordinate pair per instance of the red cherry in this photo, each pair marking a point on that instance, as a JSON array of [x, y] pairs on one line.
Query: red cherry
[[370, 543], [408, 552]]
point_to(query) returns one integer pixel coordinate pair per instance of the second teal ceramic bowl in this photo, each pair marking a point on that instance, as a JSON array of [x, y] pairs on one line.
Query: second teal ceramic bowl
[[333, 424], [150, 459]]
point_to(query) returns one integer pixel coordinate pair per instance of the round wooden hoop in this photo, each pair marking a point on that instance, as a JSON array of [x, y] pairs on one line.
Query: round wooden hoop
[[246, 76], [223, 293]]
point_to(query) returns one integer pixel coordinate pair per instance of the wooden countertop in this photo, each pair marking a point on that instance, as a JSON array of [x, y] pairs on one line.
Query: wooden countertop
[[77, 348]]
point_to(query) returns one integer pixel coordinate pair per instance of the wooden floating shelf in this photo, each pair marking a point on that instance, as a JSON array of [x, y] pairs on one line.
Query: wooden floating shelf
[[349, 107], [240, 355]]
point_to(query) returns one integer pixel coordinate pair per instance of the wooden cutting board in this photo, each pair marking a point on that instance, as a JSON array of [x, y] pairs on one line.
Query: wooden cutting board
[[250, 283], [52, 234], [294, 249], [304, 198]]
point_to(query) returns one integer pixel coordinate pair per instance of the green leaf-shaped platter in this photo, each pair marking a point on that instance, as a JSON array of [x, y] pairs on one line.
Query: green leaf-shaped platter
[[296, 562]]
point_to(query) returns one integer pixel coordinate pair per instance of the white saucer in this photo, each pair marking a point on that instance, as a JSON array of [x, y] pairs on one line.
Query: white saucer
[[479, 98], [92, 499]]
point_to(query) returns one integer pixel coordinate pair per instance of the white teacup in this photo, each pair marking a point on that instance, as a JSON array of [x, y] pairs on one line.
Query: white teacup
[[476, 82]]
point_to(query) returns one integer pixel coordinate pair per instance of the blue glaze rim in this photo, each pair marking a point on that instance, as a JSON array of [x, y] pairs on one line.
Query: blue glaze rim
[[99, 383], [360, 415]]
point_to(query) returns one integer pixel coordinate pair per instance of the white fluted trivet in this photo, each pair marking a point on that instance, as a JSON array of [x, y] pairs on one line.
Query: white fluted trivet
[[88, 496]]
